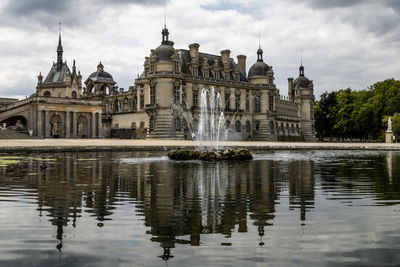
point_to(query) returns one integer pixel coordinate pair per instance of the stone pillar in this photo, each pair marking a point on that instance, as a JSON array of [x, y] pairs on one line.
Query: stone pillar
[[99, 126], [46, 124], [39, 123], [389, 137], [93, 125], [67, 124], [74, 123]]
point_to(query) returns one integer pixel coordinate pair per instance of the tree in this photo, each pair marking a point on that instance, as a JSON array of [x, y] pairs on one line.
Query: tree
[[325, 115]]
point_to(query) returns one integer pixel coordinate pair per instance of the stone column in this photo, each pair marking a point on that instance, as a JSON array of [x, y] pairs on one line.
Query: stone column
[[46, 124], [29, 125], [74, 123], [67, 124], [93, 125], [39, 124], [99, 126]]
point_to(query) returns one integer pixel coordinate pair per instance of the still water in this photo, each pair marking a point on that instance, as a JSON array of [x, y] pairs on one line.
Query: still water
[[316, 208]]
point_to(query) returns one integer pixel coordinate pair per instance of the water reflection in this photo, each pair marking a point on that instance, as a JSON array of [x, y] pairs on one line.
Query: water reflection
[[182, 202]]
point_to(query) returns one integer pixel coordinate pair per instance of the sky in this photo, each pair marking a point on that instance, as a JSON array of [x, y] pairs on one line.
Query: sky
[[343, 43]]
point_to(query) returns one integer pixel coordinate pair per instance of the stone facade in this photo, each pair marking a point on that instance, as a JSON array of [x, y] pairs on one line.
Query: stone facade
[[164, 101]]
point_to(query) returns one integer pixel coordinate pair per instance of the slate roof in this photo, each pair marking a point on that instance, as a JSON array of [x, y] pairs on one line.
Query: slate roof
[[186, 60], [57, 76]]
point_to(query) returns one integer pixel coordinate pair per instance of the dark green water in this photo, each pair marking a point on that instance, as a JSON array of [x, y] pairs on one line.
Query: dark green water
[[317, 208]]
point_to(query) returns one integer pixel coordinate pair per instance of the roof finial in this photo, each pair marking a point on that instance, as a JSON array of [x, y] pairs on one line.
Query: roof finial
[[59, 49], [165, 13], [301, 57]]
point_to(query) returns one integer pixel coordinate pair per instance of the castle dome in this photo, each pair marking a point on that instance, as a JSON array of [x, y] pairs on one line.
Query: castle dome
[[100, 75], [259, 68], [165, 51], [301, 81]]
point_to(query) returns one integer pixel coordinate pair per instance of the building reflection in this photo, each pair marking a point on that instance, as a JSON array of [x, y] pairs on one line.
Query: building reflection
[[179, 202]]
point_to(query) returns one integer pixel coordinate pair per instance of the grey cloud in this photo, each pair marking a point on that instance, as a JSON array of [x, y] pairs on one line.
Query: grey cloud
[[31, 7], [49, 12], [394, 4], [324, 4]]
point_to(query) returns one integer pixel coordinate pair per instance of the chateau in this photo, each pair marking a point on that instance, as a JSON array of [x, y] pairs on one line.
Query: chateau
[[164, 102]]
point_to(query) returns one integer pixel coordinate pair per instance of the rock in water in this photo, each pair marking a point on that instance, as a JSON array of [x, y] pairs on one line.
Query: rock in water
[[214, 155]]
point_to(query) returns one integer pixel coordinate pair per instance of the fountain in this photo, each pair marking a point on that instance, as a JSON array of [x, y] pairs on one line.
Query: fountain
[[210, 131]]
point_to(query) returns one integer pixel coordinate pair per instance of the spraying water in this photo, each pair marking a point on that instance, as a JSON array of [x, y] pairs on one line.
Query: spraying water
[[211, 126]]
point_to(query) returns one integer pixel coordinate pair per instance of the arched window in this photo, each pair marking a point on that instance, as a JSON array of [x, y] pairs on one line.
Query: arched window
[[152, 123], [257, 104], [248, 126], [74, 95], [257, 125], [126, 104], [238, 127], [227, 124], [107, 108], [177, 124], [117, 106], [90, 89], [47, 94], [134, 103]]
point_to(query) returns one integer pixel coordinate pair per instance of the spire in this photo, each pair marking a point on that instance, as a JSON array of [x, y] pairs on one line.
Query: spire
[[165, 32], [59, 50]]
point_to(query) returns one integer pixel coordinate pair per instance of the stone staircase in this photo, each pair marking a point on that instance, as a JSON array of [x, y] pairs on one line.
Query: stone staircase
[[264, 134], [306, 132], [165, 129]]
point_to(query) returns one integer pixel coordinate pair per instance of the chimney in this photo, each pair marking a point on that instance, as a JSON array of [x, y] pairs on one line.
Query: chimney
[[194, 51], [290, 88], [242, 63], [225, 55]]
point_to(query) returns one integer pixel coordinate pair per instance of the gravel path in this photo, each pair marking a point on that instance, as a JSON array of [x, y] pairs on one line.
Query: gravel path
[[29, 145]]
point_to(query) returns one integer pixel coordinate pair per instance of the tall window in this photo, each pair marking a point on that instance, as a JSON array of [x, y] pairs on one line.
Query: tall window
[[271, 102], [134, 103], [176, 94], [227, 101], [141, 98], [176, 66], [152, 123], [183, 95], [237, 101], [177, 124], [238, 127], [74, 95], [248, 126], [152, 95], [257, 104], [195, 98], [247, 102], [206, 73]]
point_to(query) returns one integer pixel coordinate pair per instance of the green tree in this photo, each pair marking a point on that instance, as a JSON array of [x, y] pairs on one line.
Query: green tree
[[325, 115]]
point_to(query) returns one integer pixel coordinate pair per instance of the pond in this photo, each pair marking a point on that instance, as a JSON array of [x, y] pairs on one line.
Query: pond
[[324, 208]]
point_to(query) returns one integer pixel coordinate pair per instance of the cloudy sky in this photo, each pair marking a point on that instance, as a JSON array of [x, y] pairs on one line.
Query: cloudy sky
[[344, 43]]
